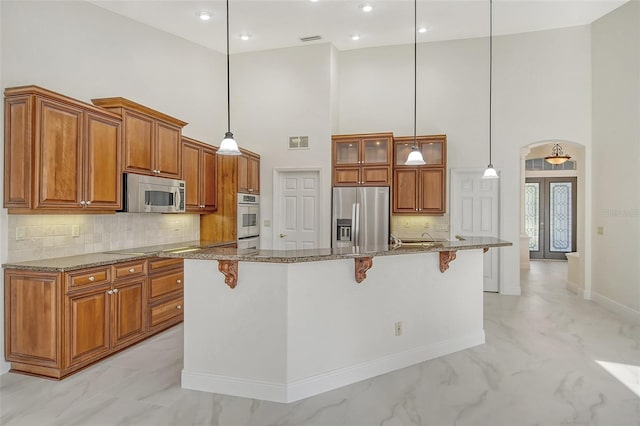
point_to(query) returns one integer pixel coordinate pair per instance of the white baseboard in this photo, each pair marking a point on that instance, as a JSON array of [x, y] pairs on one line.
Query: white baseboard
[[616, 307], [314, 385], [4, 367]]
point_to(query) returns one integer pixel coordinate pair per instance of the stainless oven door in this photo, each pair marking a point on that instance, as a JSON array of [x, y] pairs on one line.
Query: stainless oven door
[[249, 243], [248, 221]]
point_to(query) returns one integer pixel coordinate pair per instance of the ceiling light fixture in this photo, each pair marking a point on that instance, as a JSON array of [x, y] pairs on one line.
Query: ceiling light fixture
[[228, 146], [366, 7], [422, 30], [415, 156], [204, 15], [245, 37], [355, 37], [557, 156], [490, 172]]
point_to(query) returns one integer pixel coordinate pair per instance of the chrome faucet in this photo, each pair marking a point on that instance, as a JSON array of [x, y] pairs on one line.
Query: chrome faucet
[[428, 235]]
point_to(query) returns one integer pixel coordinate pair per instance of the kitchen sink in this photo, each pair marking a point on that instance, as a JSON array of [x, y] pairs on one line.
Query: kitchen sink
[[133, 253], [182, 250]]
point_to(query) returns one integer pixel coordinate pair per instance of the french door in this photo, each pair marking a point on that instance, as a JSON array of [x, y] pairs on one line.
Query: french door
[[550, 217]]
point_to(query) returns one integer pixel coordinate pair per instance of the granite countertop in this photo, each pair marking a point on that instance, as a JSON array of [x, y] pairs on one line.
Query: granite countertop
[[71, 263], [315, 255]]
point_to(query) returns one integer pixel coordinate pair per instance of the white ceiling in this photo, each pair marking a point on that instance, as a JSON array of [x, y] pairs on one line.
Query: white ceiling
[[276, 24]]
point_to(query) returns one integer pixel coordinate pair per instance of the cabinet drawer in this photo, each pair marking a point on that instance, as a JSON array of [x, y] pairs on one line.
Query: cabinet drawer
[[166, 283], [165, 311], [163, 262], [129, 269], [88, 277]]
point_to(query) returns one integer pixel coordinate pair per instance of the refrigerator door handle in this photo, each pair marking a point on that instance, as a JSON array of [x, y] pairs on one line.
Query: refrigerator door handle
[[357, 224], [354, 225]]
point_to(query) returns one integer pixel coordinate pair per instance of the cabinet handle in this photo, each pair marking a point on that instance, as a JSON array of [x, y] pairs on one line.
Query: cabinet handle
[[179, 281], [82, 203], [250, 189], [88, 202], [115, 290], [92, 278], [109, 291], [179, 307], [131, 270]]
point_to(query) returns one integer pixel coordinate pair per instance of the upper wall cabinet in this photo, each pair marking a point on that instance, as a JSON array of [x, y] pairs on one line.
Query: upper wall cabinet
[[249, 173], [152, 140], [420, 189], [60, 154], [362, 160], [199, 174]]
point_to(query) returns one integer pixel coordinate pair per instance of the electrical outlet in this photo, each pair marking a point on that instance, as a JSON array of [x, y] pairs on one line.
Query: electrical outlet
[[20, 232], [406, 223], [75, 231], [399, 328], [427, 225]]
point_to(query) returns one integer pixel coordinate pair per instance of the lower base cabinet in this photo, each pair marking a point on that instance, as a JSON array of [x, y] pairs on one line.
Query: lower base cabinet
[[58, 323]]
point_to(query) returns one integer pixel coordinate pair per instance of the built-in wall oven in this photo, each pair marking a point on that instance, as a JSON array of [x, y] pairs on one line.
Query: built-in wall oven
[[248, 221]]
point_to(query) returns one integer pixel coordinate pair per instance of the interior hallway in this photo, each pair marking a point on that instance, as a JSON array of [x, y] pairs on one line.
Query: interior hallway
[[539, 366]]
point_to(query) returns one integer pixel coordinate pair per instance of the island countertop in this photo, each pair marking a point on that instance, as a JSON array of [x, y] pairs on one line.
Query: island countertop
[[321, 254]]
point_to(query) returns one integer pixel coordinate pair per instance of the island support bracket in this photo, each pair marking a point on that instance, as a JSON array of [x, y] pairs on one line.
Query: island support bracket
[[363, 264], [446, 257], [229, 269]]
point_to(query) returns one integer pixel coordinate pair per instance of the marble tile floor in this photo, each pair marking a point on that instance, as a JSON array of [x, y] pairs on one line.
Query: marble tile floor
[[539, 366]]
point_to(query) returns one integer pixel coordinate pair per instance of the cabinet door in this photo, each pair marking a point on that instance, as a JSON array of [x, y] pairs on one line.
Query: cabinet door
[[376, 176], [432, 191], [17, 152], [32, 314], [209, 180], [346, 176], [191, 175], [87, 326], [376, 151], [243, 173], [346, 152], [168, 151], [138, 139], [128, 304], [253, 175], [103, 179], [58, 155], [405, 191]]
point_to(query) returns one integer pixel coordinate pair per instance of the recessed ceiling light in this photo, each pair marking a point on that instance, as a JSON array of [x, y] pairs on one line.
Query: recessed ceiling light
[[204, 15], [355, 37], [366, 7], [313, 1], [245, 37], [422, 30]]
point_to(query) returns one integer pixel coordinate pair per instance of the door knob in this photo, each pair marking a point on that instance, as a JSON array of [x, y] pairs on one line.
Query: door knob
[[283, 235]]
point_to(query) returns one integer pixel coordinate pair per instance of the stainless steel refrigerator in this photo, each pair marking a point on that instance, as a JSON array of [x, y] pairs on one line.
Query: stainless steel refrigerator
[[360, 217]]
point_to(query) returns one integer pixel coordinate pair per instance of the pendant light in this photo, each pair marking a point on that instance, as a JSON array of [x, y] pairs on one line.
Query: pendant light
[[415, 156], [490, 172], [557, 156], [228, 146]]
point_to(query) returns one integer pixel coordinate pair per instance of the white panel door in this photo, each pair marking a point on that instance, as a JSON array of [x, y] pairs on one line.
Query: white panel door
[[296, 222], [475, 212]]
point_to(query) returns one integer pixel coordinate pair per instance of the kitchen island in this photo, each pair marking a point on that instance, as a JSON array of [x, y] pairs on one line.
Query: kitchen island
[[286, 325]]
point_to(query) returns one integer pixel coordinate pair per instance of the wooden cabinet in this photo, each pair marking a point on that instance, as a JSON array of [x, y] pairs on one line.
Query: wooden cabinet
[[362, 160], [57, 323], [248, 173], [152, 142], [234, 174], [60, 154], [420, 189], [199, 174], [165, 293]]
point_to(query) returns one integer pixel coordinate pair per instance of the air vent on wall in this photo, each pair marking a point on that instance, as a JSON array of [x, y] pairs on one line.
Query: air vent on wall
[[311, 38], [298, 142]]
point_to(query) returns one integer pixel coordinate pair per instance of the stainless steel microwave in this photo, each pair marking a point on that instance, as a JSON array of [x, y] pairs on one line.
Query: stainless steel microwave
[[151, 194]]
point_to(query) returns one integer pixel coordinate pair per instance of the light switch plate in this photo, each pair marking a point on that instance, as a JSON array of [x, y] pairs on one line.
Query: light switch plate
[[267, 223], [20, 233], [75, 231], [600, 230]]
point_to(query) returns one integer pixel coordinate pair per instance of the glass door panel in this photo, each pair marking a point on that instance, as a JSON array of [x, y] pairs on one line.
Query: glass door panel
[[560, 217], [532, 214], [432, 153], [375, 151], [347, 152], [402, 152]]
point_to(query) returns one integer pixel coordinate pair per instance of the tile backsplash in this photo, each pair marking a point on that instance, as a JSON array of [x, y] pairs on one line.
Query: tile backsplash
[[47, 236], [410, 226]]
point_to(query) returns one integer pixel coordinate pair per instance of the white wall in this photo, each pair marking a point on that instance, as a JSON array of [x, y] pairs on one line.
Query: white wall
[[616, 156], [277, 94], [541, 92], [4, 366]]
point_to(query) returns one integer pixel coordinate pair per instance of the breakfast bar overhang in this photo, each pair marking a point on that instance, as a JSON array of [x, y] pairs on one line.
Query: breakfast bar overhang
[[285, 325]]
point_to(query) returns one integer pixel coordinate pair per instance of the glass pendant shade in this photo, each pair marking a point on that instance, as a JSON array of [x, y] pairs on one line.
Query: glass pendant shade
[[228, 146], [490, 173], [415, 158], [557, 156]]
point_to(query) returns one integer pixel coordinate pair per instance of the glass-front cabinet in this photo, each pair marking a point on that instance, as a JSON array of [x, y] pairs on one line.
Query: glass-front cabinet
[[420, 189], [362, 159]]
